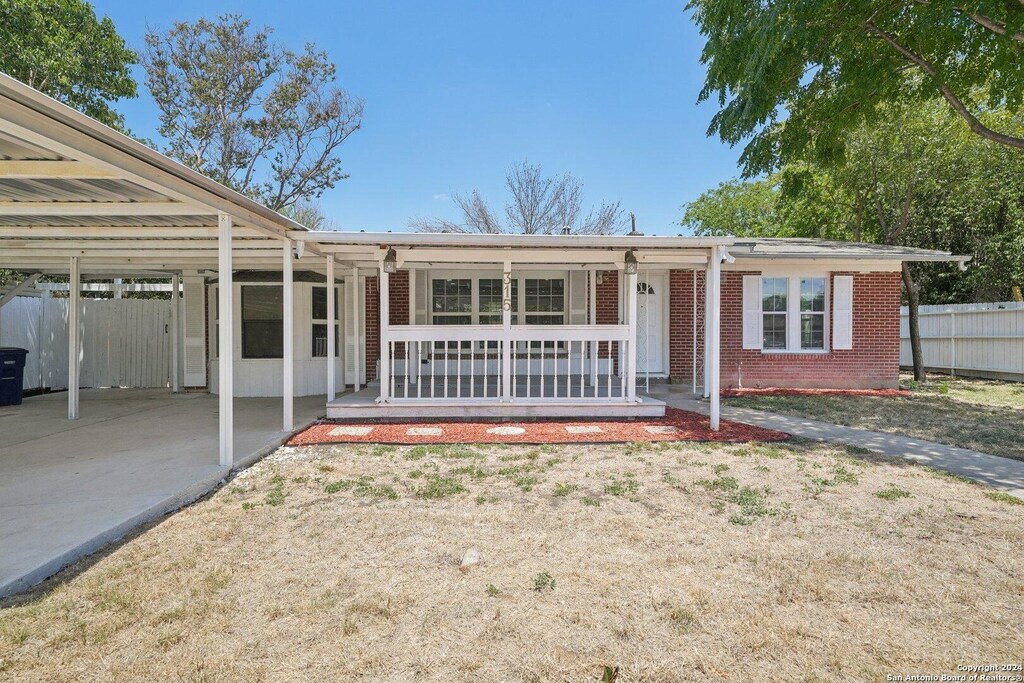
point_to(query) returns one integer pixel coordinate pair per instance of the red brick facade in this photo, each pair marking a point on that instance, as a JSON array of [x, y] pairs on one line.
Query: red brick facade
[[872, 363]]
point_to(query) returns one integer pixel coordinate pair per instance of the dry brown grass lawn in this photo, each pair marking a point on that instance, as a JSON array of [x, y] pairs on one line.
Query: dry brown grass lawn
[[675, 562], [983, 415]]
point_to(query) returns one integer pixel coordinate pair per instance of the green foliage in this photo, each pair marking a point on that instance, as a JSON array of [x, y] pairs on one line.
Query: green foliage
[[248, 112], [824, 67], [736, 207], [1003, 497], [542, 581], [61, 48], [892, 492]]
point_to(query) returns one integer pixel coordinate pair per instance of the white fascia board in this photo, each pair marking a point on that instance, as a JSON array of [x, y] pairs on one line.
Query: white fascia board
[[502, 241], [808, 265]]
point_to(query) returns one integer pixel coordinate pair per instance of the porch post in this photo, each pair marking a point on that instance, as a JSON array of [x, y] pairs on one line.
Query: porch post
[[74, 340], [225, 337], [630, 299], [707, 324], [175, 333], [592, 281], [412, 357], [384, 294], [288, 341], [356, 346], [331, 322], [506, 342], [714, 316]]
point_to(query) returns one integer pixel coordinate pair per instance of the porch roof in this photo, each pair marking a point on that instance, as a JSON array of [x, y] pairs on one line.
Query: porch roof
[[70, 186]]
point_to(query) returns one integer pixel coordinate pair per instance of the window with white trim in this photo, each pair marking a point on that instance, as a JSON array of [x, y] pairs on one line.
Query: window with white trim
[[318, 306], [793, 313], [262, 321], [812, 313], [774, 293]]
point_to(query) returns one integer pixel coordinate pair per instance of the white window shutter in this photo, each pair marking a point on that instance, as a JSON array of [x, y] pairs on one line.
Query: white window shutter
[[842, 312], [752, 319], [577, 297], [194, 342]]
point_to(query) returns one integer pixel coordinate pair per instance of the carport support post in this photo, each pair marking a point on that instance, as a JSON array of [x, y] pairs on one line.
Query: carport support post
[[630, 300], [714, 317], [331, 393], [175, 332], [356, 346], [74, 342], [225, 336], [288, 332]]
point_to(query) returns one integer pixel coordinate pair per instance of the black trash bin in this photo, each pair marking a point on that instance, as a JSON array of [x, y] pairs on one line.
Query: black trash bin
[[12, 375]]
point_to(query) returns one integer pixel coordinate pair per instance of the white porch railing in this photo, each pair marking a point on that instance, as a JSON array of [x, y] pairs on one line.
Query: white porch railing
[[522, 363]]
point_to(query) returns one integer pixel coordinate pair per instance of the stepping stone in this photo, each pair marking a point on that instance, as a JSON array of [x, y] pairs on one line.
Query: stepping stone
[[506, 431], [583, 429], [660, 429], [346, 430], [424, 431]]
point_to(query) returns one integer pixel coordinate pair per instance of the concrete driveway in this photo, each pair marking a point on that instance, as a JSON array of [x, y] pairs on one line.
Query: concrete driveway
[[68, 488]]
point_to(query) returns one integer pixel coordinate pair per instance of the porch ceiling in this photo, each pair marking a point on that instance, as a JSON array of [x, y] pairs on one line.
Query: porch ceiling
[[70, 186]]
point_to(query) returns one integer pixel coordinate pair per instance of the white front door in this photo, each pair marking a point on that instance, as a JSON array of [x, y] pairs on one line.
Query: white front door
[[650, 324]]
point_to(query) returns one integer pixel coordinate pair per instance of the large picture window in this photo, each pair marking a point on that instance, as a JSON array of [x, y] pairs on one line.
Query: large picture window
[[319, 316], [262, 321]]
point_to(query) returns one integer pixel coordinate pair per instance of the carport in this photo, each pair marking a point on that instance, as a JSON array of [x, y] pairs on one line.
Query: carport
[[81, 200]]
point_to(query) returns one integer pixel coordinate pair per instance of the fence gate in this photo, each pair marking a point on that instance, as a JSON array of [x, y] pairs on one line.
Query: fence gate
[[125, 342]]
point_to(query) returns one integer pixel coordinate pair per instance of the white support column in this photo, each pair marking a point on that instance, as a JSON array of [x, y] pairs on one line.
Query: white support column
[[506, 342], [175, 333], [630, 300], [412, 359], [384, 294], [288, 341], [356, 346], [225, 335], [74, 339], [592, 310], [714, 317], [707, 323], [331, 326]]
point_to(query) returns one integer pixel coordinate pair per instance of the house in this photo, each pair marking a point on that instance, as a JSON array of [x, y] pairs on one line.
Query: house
[[431, 325]]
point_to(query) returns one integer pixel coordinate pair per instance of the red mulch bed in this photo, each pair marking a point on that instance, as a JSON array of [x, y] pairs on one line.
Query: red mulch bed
[[779, 391], [687, 427]]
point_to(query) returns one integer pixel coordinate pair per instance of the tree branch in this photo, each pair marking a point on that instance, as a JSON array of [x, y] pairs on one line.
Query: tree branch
[[975, 125]]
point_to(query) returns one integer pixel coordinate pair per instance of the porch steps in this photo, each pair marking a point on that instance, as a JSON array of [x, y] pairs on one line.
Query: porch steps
[[362, 405]]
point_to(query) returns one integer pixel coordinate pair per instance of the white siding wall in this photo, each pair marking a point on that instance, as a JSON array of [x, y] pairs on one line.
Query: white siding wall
[[982, 338], [263, 376]]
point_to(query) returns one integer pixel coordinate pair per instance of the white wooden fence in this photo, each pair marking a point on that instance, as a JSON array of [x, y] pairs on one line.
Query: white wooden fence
[[984, 340], [125, 342]]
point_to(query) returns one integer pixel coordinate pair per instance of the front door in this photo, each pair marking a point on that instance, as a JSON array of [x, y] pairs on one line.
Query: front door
[[650, 324]]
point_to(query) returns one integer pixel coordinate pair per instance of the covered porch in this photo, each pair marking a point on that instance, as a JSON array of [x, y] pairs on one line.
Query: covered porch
[[517, 325]]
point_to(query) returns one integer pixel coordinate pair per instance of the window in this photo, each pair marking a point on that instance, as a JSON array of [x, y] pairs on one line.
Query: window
[[262, 322], [773, 312], [812, 313], [490, 298], [545, 301], [319, 316], [453, 302]]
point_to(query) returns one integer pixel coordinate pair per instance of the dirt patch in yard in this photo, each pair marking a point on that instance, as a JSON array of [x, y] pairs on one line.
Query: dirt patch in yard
[[665, 562]]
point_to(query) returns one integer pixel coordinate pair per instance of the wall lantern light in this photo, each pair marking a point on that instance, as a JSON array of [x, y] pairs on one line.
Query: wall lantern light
[[631, 265], [391, 261]]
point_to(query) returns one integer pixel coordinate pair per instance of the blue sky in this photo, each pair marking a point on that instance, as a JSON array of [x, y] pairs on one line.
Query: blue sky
[[456, 91]]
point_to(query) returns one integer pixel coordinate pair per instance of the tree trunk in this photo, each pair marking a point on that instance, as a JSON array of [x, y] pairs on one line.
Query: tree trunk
[[913, 304]]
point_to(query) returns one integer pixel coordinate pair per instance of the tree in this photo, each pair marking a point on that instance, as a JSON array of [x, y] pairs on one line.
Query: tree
[[62, 49], [539, 204], [737, 207], [248, 112], [825, 66]]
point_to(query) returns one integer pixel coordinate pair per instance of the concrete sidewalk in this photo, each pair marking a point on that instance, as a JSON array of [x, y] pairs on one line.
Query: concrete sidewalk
[[1000, 473]]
